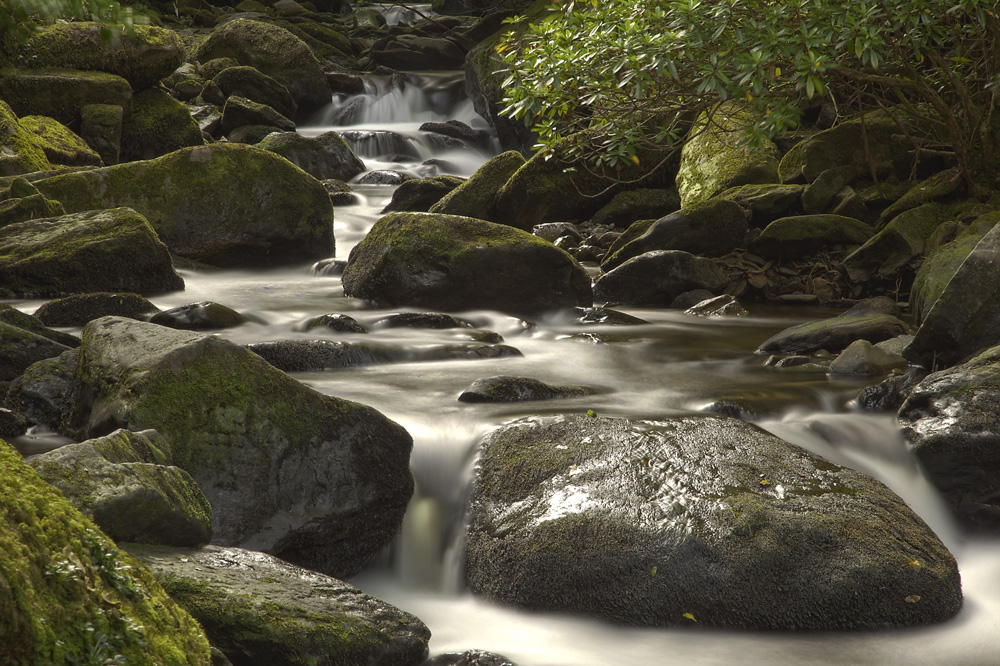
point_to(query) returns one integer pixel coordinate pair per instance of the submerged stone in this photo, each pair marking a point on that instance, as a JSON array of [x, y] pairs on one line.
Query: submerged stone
[[517, 389]]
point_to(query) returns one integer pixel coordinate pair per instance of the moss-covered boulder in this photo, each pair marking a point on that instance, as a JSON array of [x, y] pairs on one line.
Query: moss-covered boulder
[[79, 309], [696, 519], [259, 610], [656, 278], [251, 84], [155, 125], [326, 156], [32, 207], [124, 483], [448, 262], [420, 194], [965, 317], [641, 204], [223, 204], [833, 334], [69, 595], [315, 480], [275, 52], [20, 348], [142, 57], [14, 317], [938, 188], [715, 157], [819, 195], [101, 127], [420, 52], [951, 419], [767, 202], [62, 93], [711, 228], [476, 197], [60, 145], [20, 149], [48, 392], [802, 235], [102, 250], [240, 112], [898, 243], [866, 143]]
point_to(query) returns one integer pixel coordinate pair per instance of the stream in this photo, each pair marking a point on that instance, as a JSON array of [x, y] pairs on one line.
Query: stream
[[675, 364]]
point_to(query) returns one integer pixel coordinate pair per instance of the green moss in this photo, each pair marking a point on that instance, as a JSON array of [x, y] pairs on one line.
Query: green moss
[[61, 146], [69, 594], [156, 125], [21, 150]]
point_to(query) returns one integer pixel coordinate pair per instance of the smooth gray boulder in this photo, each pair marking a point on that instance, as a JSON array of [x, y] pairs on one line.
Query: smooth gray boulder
[[952, 421], [451, 263], [124, 482], [316, 480], [833, 334], [259, 610], [325, 157], [518, 389], [656, 278], [77, 310], [710, 519]]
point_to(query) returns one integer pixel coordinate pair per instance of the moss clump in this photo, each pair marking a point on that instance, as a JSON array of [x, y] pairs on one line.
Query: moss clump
[[20, 150], [61, 146], [70, 595]]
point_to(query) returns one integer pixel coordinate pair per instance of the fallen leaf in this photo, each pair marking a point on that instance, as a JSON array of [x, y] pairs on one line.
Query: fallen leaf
[[912, 599], [689, 616], [915, 564]]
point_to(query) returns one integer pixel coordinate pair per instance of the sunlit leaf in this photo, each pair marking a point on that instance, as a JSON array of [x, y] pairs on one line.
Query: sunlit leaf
[[912, 599], [689, 616]]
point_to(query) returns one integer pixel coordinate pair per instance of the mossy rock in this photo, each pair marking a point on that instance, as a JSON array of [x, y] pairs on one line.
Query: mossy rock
[[62, 93], [519, 389], [767, 202], [275, 52], [142, 57], [79, 309], [833, 333], [130, 497], [938, 188], [820, 193], [32, 207], [60, 145], [420, 194], [259, 610], [14, 317], [332, 50], [223, 204], [803, 235], [326, 156], [157, 124], [20, 348], [695, 519], [253, 85], [641, 204], [712, 228], [48, 393], [715, 158], [239, 112], [476, 196], [101, 127], [20, 149], [102, 250], [448, 262], [656, 278], [851, 143], [898, 243], [69, 594], [315, 480]]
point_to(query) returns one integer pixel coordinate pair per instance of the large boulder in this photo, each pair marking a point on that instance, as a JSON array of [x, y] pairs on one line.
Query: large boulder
[[259, 610], [833, 334], [315, 480], [273, 51], [965, 317], [69, 595], [100, 250], [21, 348], [324, 157], [476, 197], [79, 309], [952, 421], [60, 145], [223, 204], [125, 484], [157, 124], [801, 235], [420, 194], [247, 82], [710, 228], [704, 519], [448, 262], [901, 241], [63, 94], [142, 56], [20, 149], [640, 204], [656, 278], [715, 156], [867, 141], [766, 203]]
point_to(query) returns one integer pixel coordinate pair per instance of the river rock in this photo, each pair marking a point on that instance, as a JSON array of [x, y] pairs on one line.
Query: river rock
[[476, 197], [240, 111], [275, 52], [57, 564], [456, 129], [20, 149], [64, 94], [448, 262], [518, 389], [32, 207], [863, 358], [898, 243], [890, 394], [820, 193], [419, 52], [142, 56], [77, 310], [101, 250], [941, 186], [60, 145], [420, 194], [655, 279], [833, 334], [435, 320], [101, 128], [222, 204], [470, 658], [802, 235], [157, 124], [315, 480], [951, 419], [715, 157], [850, 143], [703, 519], [725, 305], [605, 316], [312, 355], [125, 484], [201, 316], [260, 610], [339, 323], [249, 83], [48, 392], [711, 228], [20, 348], [324, 157], [766, 202], [641, 204], [14, 317]]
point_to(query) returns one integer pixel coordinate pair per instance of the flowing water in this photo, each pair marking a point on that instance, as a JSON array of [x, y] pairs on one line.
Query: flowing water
[[675, 364]]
